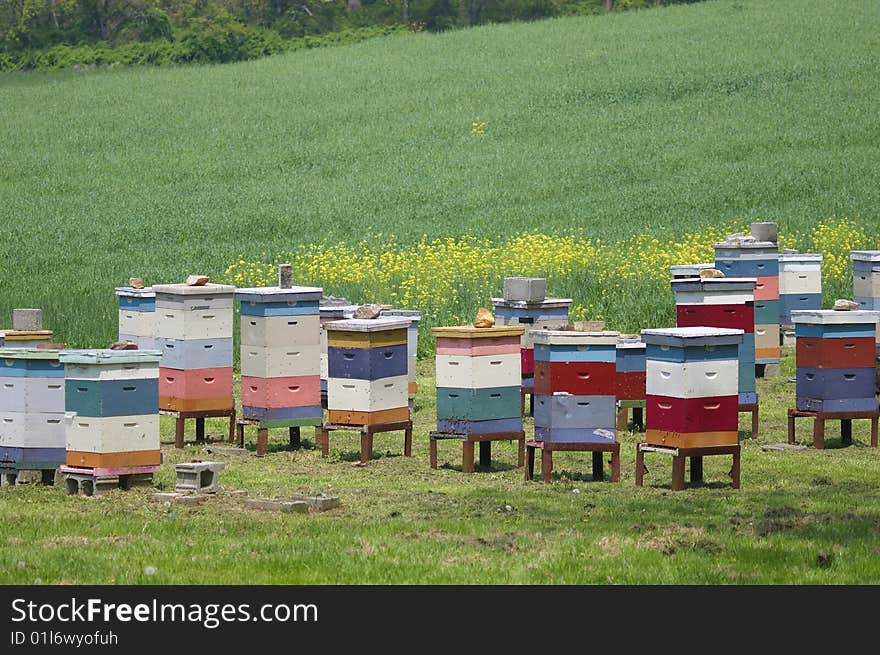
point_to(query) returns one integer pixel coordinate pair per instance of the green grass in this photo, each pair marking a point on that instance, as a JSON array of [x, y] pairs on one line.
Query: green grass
[[401, 522], [661, 120]]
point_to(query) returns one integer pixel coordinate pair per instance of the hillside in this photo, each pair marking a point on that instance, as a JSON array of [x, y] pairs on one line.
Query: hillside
[[660, 121]]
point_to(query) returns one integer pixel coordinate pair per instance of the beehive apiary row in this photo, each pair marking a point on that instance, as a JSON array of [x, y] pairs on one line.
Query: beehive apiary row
[[724, 303], [31, 409], [194, 333], [478, 379], [367, 371], [137, 316], [281, 355], [575, 383], [835, 353], [692, 386], [800, 284]]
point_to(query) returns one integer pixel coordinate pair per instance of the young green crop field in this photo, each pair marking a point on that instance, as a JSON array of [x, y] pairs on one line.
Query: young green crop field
[[664, 123], [800, 517], [659, 122]]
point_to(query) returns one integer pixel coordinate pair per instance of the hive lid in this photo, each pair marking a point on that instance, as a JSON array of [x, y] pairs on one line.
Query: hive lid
[[631, 343], [146, 292], [30, 353], [26, 335], [573, 338], [549, 303], [795, 257], [738, 284], [745, 244], [685, 269], [342, 311], [686, 337], [865, 255], [369, 324], [470, 332], [414, 314], [107, 356], [278, 294], [832, 317], [181, 289]]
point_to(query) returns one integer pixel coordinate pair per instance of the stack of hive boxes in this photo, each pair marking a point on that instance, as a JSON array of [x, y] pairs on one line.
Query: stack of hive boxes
[[280, 356], [137, 316], [866, 278], [478, 380], [412, 346], [112, 402], [738, 257], [688, 270], [525, 305], [366, 365], [575, 381], [194, 333], [27, 330], [630, 372], [800, 284], [328, 314], [835, 360], [31, 409], [692, 388], [722, 303]]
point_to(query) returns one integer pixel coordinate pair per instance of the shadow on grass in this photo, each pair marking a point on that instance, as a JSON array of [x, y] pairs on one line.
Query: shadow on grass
[[495, 467]]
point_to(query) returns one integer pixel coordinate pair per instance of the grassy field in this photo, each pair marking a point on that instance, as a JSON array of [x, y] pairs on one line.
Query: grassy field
[[660, 122], [800, 517]]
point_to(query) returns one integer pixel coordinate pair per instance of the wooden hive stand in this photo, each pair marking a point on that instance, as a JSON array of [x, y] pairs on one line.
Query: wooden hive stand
[[485, 441], [751, 408], [294, 434], [845, 418], [199, 416], [548, 447], [679, 455], [367, 432], [528, 389]]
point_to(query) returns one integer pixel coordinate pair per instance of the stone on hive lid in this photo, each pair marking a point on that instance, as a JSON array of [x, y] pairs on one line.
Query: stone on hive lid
[[369, 311], [711, 272], [123, 345], [484, 318], [197, 280], [843, 305], [27, 319], [766, 231], [135, 283]]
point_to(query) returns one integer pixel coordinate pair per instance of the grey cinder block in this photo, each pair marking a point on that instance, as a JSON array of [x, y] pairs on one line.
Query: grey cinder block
[[277, 505], [765, 232], [529, 289], [27, 319], [200, 477], [321, 502]]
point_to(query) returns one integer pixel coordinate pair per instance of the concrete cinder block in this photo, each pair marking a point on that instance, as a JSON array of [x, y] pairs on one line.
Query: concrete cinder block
[[225, 450], [200, 477], [529, 289], [27, 319], [321, 502], [289, 507], [765, 232]]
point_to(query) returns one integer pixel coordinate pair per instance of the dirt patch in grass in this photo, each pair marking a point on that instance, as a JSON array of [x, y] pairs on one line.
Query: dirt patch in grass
[[672, 539], [786, 517], [66, 541]]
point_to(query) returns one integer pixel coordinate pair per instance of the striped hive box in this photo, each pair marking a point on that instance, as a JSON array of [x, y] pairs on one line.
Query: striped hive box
[[760, 260], [835, 360], [478, 379], [691, 386], [366, 366], [31, 409], [630, 370], [194, 333], [575, 383], [280, 355], [866, 279], [412, 344], [137, 316], [688, 270], [548, 314], [112, 403], [724, 303], [800, 284], [329, 314]]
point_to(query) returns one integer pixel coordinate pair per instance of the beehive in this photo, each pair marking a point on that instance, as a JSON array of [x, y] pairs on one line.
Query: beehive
[[31, 409], [329, 314], [630, 370], [112, 404], [800, 284], [688, 270], [548, 314], [835, 360], [412, 345], [280, 355], [575, 384], [137, 316], [478, 379], [26, 331], [691, 386], [760, 260], [724, 303], [194, 333], [366, 367]]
